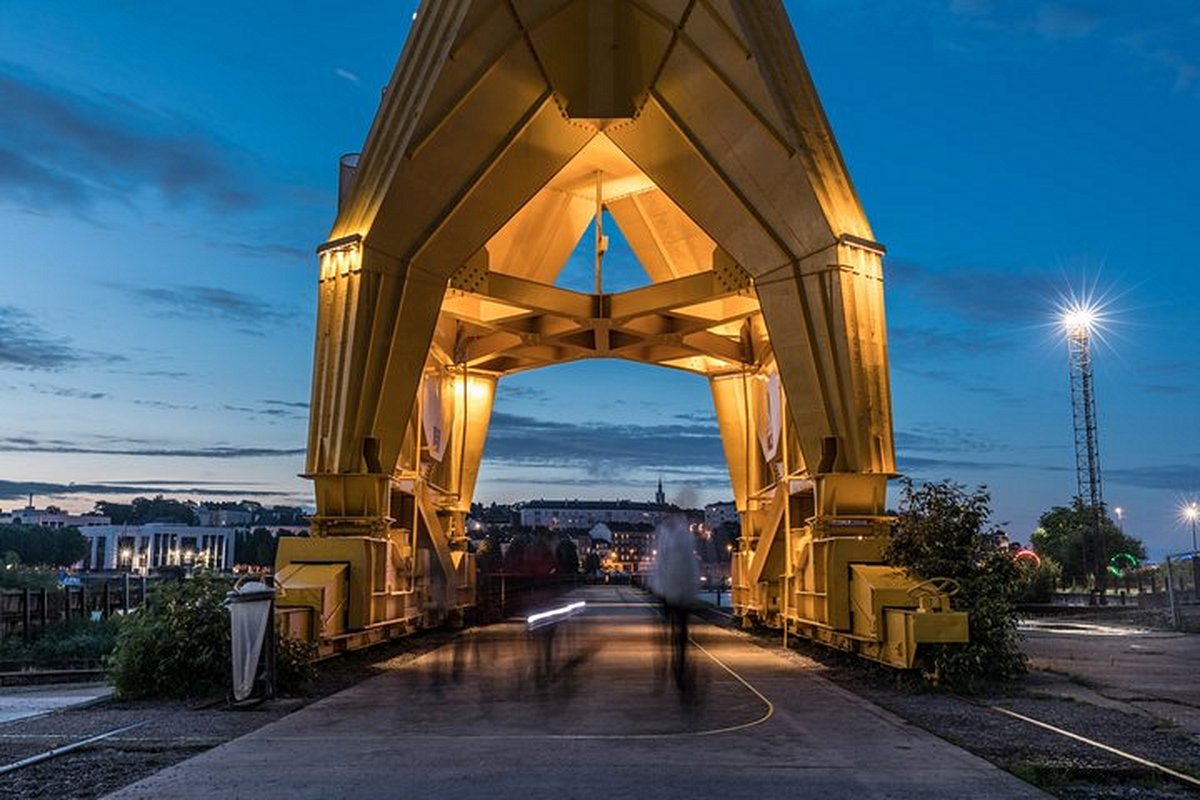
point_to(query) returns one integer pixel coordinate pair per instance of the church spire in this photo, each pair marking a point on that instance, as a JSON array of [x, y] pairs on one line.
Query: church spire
[[659, 497]]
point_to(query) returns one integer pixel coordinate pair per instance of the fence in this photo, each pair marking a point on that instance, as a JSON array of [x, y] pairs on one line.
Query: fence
[[24, 612]]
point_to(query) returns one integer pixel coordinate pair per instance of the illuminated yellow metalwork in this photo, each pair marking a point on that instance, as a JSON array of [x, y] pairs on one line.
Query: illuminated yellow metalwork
[[507, 126]]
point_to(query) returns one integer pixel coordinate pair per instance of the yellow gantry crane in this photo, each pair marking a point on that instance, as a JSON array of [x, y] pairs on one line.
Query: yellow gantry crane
[[507, 128]]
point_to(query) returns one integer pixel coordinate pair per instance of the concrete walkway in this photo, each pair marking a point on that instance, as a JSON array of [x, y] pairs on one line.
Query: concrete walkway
[[496, 716], [19, 702]]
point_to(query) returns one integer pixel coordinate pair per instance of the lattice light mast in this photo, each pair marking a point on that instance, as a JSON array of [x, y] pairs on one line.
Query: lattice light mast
[[1079, 323]]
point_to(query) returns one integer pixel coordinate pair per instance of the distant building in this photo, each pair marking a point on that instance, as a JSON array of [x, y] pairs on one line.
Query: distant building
[[141, 548], [484, 520], [584, 514], [717, 513], [632, 548], [50, 517], [223, 516]]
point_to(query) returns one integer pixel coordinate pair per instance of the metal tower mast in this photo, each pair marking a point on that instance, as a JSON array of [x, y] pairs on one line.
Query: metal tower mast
[[1087, 449]]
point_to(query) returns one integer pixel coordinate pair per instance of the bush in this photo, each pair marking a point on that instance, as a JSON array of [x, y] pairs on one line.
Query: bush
[[20, 576], [78, 640], [177, 645], [1039, 582], [294, 668], [945, 531]]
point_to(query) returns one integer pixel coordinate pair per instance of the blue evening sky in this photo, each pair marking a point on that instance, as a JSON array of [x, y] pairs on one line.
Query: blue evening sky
[[165, 172]]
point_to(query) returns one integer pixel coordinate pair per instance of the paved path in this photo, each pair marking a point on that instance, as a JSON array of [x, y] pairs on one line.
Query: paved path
[[605, 724], [1154, 671], [18, 702]]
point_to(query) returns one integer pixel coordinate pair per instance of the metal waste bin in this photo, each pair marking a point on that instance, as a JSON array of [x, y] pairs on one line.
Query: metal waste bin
[[251, 614]]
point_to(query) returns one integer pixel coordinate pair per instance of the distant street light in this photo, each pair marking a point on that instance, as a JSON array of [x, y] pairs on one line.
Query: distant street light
[[1191, 512]]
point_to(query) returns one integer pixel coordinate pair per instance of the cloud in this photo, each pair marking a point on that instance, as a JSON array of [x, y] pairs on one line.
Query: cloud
[[166, 404], [67, 148], [602, 447], [924, 466], [977, 295], [287, 403], [1176, 477], [347, 75], [66, 391], [941, 439], [525, 393], [1157, 47], [959, 380], [1053, 21], [1156, 33], [942, 342], [266, 250], [250, 313], [268, 409], [20, 490], [25, 344], [1167, 389], [21, 444]]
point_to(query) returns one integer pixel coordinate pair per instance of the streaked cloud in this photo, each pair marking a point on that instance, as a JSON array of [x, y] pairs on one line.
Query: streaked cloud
[[20, 490], [251, 314], [72, 149], [68, 392], [602, 448], [25, 344], [25, 444], [1054, 21]]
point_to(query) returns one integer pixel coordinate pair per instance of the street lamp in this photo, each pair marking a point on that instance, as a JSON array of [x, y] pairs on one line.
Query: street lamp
[[1191, 512]]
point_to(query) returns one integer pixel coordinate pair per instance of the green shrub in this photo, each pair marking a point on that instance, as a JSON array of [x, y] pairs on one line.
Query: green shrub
[[294, 667], [78, 640], [14, 575], [944, 531], [177, 645], [1039, 582]]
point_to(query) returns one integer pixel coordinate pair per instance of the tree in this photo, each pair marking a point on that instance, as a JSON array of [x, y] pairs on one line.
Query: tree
[[255, 547], [567, 556], [725, 539], [488, 555], [944, 531], [1065, 534], [117, 513], [33, 544], [146, 509]]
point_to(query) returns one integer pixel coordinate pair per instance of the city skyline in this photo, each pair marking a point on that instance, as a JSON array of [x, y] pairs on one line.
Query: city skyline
[[162, 195]]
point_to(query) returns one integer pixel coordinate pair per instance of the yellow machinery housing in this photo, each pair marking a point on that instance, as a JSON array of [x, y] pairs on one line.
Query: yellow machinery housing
[[510, 127]]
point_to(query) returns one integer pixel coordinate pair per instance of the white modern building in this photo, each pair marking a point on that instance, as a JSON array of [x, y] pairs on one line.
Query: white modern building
[[50, 517], [141, 548]]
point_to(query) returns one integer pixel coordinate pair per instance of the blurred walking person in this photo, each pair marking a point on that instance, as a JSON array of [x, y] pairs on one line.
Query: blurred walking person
[[675, 581]]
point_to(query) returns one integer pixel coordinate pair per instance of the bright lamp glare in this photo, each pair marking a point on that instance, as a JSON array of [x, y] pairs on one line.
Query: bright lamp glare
[[1079, 320]]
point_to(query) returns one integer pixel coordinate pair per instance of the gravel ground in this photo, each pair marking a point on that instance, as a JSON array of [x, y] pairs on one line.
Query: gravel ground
[[172, 731], [166, 732], [1061, 766]]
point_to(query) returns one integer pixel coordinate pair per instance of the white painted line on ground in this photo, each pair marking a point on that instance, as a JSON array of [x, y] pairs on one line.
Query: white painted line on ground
[[1188, 779]]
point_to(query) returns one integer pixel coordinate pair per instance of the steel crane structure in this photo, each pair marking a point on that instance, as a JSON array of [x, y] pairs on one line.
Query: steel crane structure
[[507, 127]]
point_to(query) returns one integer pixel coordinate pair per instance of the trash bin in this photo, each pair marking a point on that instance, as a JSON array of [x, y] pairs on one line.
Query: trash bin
[[251, 610]]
